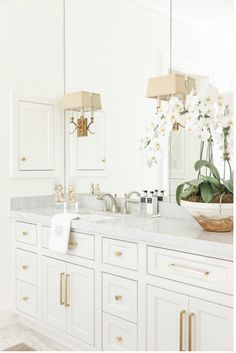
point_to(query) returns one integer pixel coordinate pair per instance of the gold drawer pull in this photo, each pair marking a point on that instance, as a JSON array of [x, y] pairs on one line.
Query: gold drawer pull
[[118, 297], [24, 233], [25, 298], [25, 267], [181, 329], [189, 269], [61, 287], [118, 253], [118, 339], [23, 159], [190, 333], [66, 291], [73, 243]]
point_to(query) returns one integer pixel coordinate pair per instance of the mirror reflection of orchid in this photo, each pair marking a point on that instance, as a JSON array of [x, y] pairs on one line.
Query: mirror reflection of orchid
[[207, 116]]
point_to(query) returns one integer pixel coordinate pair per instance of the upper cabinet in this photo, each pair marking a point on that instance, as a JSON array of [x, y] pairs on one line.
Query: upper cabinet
[[37, 137]]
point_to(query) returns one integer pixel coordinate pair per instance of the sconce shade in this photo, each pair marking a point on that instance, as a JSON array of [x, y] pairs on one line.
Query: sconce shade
[[174, 84], [82, 99]]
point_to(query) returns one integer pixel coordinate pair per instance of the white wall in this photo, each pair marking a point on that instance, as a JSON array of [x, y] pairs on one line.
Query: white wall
[[31, 43], [113, 48]]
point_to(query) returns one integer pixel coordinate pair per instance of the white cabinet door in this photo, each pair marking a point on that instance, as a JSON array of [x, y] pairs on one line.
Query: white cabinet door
[[36, 136], [54, 311], [166, 320], [212, 326], [80, 309]]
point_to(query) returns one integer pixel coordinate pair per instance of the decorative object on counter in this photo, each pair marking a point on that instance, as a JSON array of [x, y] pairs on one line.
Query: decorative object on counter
[[209, 198], [97, 190], [92, 189], [71, 194], [59, 194], [82, 102]]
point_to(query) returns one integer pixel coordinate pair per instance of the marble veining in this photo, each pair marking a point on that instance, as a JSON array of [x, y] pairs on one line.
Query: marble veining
[[18, 333]]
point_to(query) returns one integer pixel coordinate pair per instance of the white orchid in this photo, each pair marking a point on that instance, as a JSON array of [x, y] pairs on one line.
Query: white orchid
[[207, 116]]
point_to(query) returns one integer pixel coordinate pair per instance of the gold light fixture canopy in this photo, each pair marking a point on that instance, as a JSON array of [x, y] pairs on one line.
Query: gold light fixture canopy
[[82, 101], [175, 84]]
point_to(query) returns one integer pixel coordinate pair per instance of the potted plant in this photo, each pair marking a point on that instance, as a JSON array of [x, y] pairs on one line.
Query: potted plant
[[209, 198]]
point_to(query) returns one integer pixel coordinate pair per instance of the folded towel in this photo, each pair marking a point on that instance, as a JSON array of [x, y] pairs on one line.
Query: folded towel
[[60, 231]]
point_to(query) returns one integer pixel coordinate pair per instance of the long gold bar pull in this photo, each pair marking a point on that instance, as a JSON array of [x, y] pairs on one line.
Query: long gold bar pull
[[66, 291], [190, 333], [181, 330], [61, 287]]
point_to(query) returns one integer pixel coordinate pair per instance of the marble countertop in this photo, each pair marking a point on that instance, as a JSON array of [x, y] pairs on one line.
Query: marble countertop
[[170, 233]]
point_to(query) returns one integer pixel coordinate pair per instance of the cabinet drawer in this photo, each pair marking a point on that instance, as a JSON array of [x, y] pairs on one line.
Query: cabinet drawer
[[118, 334], [26, 233], [26, 266], [80, 244], [193, 269], [120, 253], [26, 298], [120, 297]]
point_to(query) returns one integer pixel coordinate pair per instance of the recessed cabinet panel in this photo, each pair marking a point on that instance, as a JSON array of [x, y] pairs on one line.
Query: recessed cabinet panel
[[87, 154], [36, 136], [211, 326], [166, 318]]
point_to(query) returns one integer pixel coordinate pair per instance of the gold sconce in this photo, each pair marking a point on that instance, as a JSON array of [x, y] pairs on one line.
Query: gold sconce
[[82, 102]]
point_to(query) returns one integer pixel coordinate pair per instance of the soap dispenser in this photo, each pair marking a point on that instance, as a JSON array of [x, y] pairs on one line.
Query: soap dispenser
[[150, 203]]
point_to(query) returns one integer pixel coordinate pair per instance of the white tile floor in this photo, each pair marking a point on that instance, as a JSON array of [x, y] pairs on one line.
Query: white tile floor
[[18, 333]]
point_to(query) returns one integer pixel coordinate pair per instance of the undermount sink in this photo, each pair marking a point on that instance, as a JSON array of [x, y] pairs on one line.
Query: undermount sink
[[95, 217]]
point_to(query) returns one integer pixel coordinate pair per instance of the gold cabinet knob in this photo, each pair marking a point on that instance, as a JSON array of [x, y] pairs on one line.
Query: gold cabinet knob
[[118, 339], [24, 233], [25, 298], [25, 267], [118, 253], [104, 160], [23, 159], [118, 297]]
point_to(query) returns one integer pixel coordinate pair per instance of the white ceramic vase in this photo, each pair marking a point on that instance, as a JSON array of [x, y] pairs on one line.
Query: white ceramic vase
[[212, 217]]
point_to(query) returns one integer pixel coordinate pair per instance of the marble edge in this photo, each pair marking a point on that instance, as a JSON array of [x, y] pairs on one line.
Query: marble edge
[[214, 249]]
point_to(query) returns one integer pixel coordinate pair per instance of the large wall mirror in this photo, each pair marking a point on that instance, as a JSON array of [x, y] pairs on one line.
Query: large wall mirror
[[113, 48]]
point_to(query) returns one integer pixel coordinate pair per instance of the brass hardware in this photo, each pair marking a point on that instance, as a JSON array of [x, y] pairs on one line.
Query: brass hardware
[[61, 285], [24, 233], [118, 297], [189, 269], [66, 291], [25, 298], [25, 267], [23, 159], [103, 160], [190, 334], [73, 243], [118, 339], [181, 323], [118, 253], [82, 126]]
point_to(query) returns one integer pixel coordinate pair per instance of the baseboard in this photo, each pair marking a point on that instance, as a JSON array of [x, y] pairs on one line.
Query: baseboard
[[7, 317]]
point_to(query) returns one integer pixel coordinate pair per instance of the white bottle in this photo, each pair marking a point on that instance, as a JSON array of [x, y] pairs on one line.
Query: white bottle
[[149, 205], [143, 203]]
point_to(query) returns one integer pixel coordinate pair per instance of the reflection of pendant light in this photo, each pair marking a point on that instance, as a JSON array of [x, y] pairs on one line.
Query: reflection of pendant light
[[82, 102], [173, 84]]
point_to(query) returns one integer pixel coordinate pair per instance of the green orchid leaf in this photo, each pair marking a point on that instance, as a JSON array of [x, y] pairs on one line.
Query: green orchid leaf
[[179, 191], [203, 163], [207, 192], [190, 190], [229, 185]]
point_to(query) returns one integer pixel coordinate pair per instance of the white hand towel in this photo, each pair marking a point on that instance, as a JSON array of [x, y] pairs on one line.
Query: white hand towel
[[60, 231]]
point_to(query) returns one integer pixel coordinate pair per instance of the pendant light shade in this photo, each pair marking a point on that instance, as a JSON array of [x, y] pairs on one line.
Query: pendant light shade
[[163, 87]]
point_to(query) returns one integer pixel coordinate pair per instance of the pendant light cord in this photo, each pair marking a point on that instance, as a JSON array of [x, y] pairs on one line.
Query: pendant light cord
[[171, 18]]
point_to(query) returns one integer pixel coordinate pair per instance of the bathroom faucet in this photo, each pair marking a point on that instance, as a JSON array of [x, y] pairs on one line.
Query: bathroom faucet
[[129, 200], [114, 205]]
